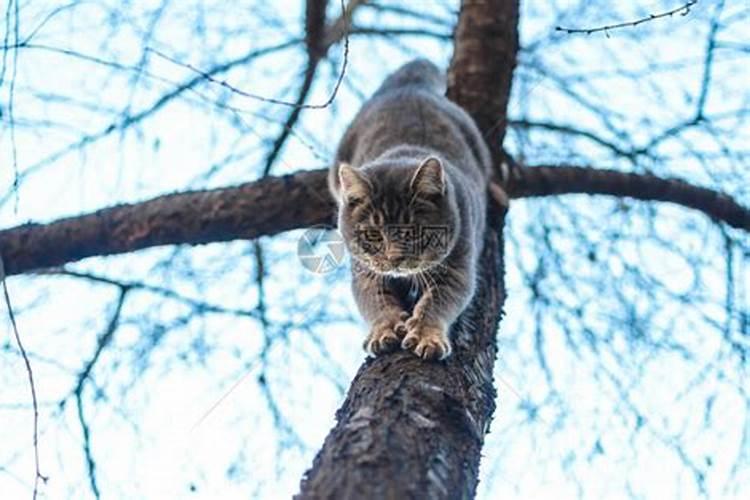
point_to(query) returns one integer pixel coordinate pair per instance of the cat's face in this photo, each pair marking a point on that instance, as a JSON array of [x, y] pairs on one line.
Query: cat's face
[[397, 220]]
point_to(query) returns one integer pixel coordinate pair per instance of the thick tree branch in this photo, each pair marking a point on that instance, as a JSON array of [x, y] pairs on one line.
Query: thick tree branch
[[484, 45], [266, 207], [548, 181], [277, 204], [410, 428]]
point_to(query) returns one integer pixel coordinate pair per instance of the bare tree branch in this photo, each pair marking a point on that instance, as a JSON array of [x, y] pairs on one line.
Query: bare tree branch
[[576, 131], [266, 207], [30, 374], [683, 10], [318, 40], [426, 421], [166, 293], [129, 120], [104, 340], [548, 181], [276, 204]]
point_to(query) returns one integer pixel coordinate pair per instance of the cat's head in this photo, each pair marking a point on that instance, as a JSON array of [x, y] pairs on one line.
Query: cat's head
[[397, 219]]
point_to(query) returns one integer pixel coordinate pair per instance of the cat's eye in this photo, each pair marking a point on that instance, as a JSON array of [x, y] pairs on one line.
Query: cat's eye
[[374, 235], [370, 239], [354, 202]]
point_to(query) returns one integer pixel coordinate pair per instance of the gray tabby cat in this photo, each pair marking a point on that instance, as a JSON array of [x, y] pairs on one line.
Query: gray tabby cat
[[411, 177]]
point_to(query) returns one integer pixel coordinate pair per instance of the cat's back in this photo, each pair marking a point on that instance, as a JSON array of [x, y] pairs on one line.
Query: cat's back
[[410, 109], [417, 74]]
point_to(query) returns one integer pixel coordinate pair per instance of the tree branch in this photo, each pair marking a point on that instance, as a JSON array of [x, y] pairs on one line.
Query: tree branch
[[682, 10], [103, 342], [266, 207], [318, 39], [547, 181], [276, 204], [474, 78], [410, 428], [575, 131], [30, 375], [128, 120]]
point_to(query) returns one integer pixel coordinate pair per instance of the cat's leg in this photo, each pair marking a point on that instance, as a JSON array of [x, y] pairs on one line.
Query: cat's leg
[[383, 312], [426, 333], [437, 308]]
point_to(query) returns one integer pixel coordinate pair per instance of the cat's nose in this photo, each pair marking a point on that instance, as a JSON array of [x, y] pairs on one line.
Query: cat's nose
[[394, 255]]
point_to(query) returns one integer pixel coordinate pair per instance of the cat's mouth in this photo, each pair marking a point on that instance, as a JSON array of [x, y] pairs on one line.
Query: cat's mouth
[[400, 270], [400, 273]]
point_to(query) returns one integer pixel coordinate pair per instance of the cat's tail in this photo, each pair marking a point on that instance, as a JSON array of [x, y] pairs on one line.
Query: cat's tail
[[420, 73]]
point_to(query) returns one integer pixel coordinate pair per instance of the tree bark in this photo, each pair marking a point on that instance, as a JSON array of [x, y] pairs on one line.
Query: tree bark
[[411, 429], [266, 207], [484, 57], [548, 181], [276, 204], [415, 429]]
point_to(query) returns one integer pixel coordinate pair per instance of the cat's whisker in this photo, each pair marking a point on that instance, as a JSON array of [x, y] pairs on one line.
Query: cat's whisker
[[421, 280]]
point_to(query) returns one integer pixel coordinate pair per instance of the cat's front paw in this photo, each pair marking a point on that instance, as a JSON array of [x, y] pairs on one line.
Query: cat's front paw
[[385, 334], [427, 340]]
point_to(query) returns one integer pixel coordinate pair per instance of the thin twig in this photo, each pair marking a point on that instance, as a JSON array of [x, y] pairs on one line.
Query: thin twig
[[38, 475], [167, 293], [104, 340], [683, 10], [315, 22], [11, 94], [271, 100], [708, 63]]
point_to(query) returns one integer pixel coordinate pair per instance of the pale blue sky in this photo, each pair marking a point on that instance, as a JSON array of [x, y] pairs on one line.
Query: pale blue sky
[[656, 395]]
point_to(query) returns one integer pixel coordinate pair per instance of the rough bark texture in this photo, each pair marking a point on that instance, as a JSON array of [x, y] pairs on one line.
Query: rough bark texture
[[277, 204], [474, 79], [415, 429], [546, 181], [266, 207], [411, 429]]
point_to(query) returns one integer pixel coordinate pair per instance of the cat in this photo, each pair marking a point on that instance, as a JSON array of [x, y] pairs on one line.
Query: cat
[[410, 178]]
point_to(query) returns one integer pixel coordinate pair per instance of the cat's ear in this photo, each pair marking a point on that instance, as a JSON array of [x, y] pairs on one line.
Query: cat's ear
[[429, 179], [352, 183]]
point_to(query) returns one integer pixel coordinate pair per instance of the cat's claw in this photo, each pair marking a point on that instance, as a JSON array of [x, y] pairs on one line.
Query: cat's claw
[[385, 342], [427, 342], [401, 328], [385, 337], [409, 342]]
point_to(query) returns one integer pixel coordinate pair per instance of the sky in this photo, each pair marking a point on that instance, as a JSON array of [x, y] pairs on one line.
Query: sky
[[615, 376]]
